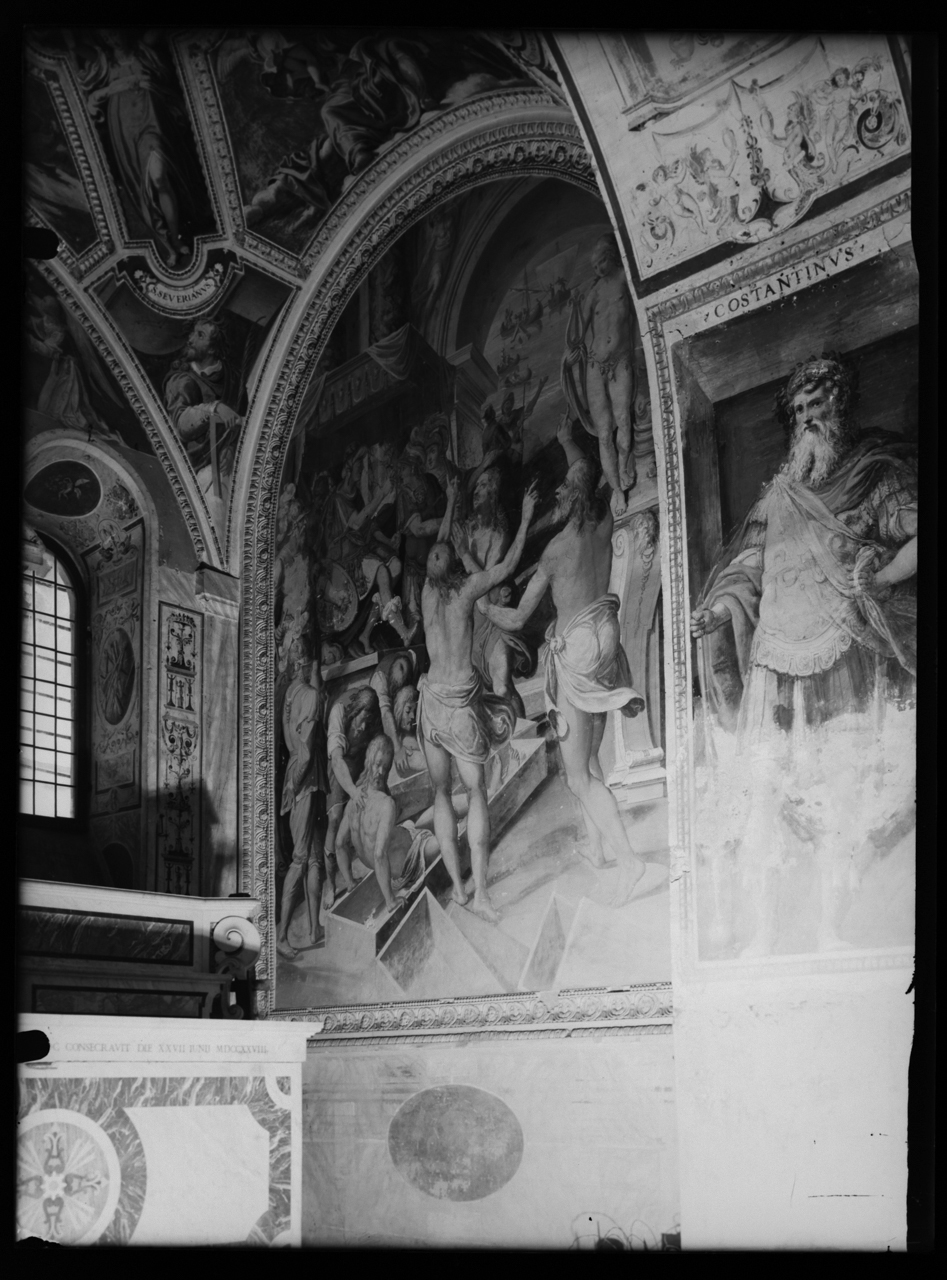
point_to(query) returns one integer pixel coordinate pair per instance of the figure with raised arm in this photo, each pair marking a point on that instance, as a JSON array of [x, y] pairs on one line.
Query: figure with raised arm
[[457, 718], [482, 541], [598, 368], [585, 667]]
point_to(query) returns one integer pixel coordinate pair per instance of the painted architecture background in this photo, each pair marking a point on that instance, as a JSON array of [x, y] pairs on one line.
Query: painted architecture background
[[328, 303]]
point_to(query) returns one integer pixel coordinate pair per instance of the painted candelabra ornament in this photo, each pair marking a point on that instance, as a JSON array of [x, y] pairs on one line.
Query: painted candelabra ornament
[[748, 162]]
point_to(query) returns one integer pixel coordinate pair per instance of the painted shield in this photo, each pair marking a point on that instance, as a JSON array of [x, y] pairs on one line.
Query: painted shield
[[336, 599]]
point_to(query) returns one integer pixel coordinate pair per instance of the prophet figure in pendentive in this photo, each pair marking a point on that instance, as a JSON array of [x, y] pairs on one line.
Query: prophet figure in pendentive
[[200, 391]]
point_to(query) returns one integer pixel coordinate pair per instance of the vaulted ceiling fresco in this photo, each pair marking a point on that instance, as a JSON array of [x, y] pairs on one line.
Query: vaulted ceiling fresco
[[186, 174]]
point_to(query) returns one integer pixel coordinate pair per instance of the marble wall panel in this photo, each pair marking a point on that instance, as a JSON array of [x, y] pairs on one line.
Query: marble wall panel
[[102, 936], [157, 1132]]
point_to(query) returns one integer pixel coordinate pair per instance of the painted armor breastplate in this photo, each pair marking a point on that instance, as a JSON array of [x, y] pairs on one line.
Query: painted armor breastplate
[[808, 615]]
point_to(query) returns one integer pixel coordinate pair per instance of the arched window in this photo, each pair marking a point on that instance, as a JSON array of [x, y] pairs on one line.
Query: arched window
[[49, 688]]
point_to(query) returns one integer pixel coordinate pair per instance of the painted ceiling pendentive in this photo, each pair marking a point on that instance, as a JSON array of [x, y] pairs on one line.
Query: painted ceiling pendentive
[[186, 174]]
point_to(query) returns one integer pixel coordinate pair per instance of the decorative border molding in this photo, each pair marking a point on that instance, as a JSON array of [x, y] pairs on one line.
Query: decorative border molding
[[119, 372], [639, 1004], [548, 147], [87, 148], [79, 265], [415, 1041], [200, 141], [729, 280], [678, 672], [207, 110], [420, 140], [218, 159]]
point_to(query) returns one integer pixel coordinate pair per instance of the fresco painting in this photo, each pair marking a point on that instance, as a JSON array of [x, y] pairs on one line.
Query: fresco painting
[[447, 648], [748, 159], [804, 621], [51, 179], [475, 440], [137, 106], [66, 382], [309, 108]]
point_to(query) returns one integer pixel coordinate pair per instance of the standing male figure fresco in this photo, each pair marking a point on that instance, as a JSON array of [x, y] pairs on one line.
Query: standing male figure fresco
[[598, 370], [457, 719], [305, 776], [807, 631], [586, 670]]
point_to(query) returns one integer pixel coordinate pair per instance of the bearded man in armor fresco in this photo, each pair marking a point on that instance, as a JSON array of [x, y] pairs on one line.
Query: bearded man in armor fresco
[[808, 633]]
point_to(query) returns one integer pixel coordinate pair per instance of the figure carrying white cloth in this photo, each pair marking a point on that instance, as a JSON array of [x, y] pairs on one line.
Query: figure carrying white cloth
[[585, 666]]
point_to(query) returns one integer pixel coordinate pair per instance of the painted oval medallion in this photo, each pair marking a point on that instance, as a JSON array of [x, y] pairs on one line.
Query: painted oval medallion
[[456, 1142], [64, 488]]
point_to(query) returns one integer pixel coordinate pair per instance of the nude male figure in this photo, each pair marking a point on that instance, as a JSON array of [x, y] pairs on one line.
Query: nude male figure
[[305, 775], [369, 830], [586, 669], [481, 541], [600, 336], [457, 718]]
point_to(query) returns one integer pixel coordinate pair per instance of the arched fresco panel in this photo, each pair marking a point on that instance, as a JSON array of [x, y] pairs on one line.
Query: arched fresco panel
[[381, 427]]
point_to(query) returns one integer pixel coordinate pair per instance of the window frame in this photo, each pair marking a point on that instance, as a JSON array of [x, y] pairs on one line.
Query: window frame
[[81, 692]]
